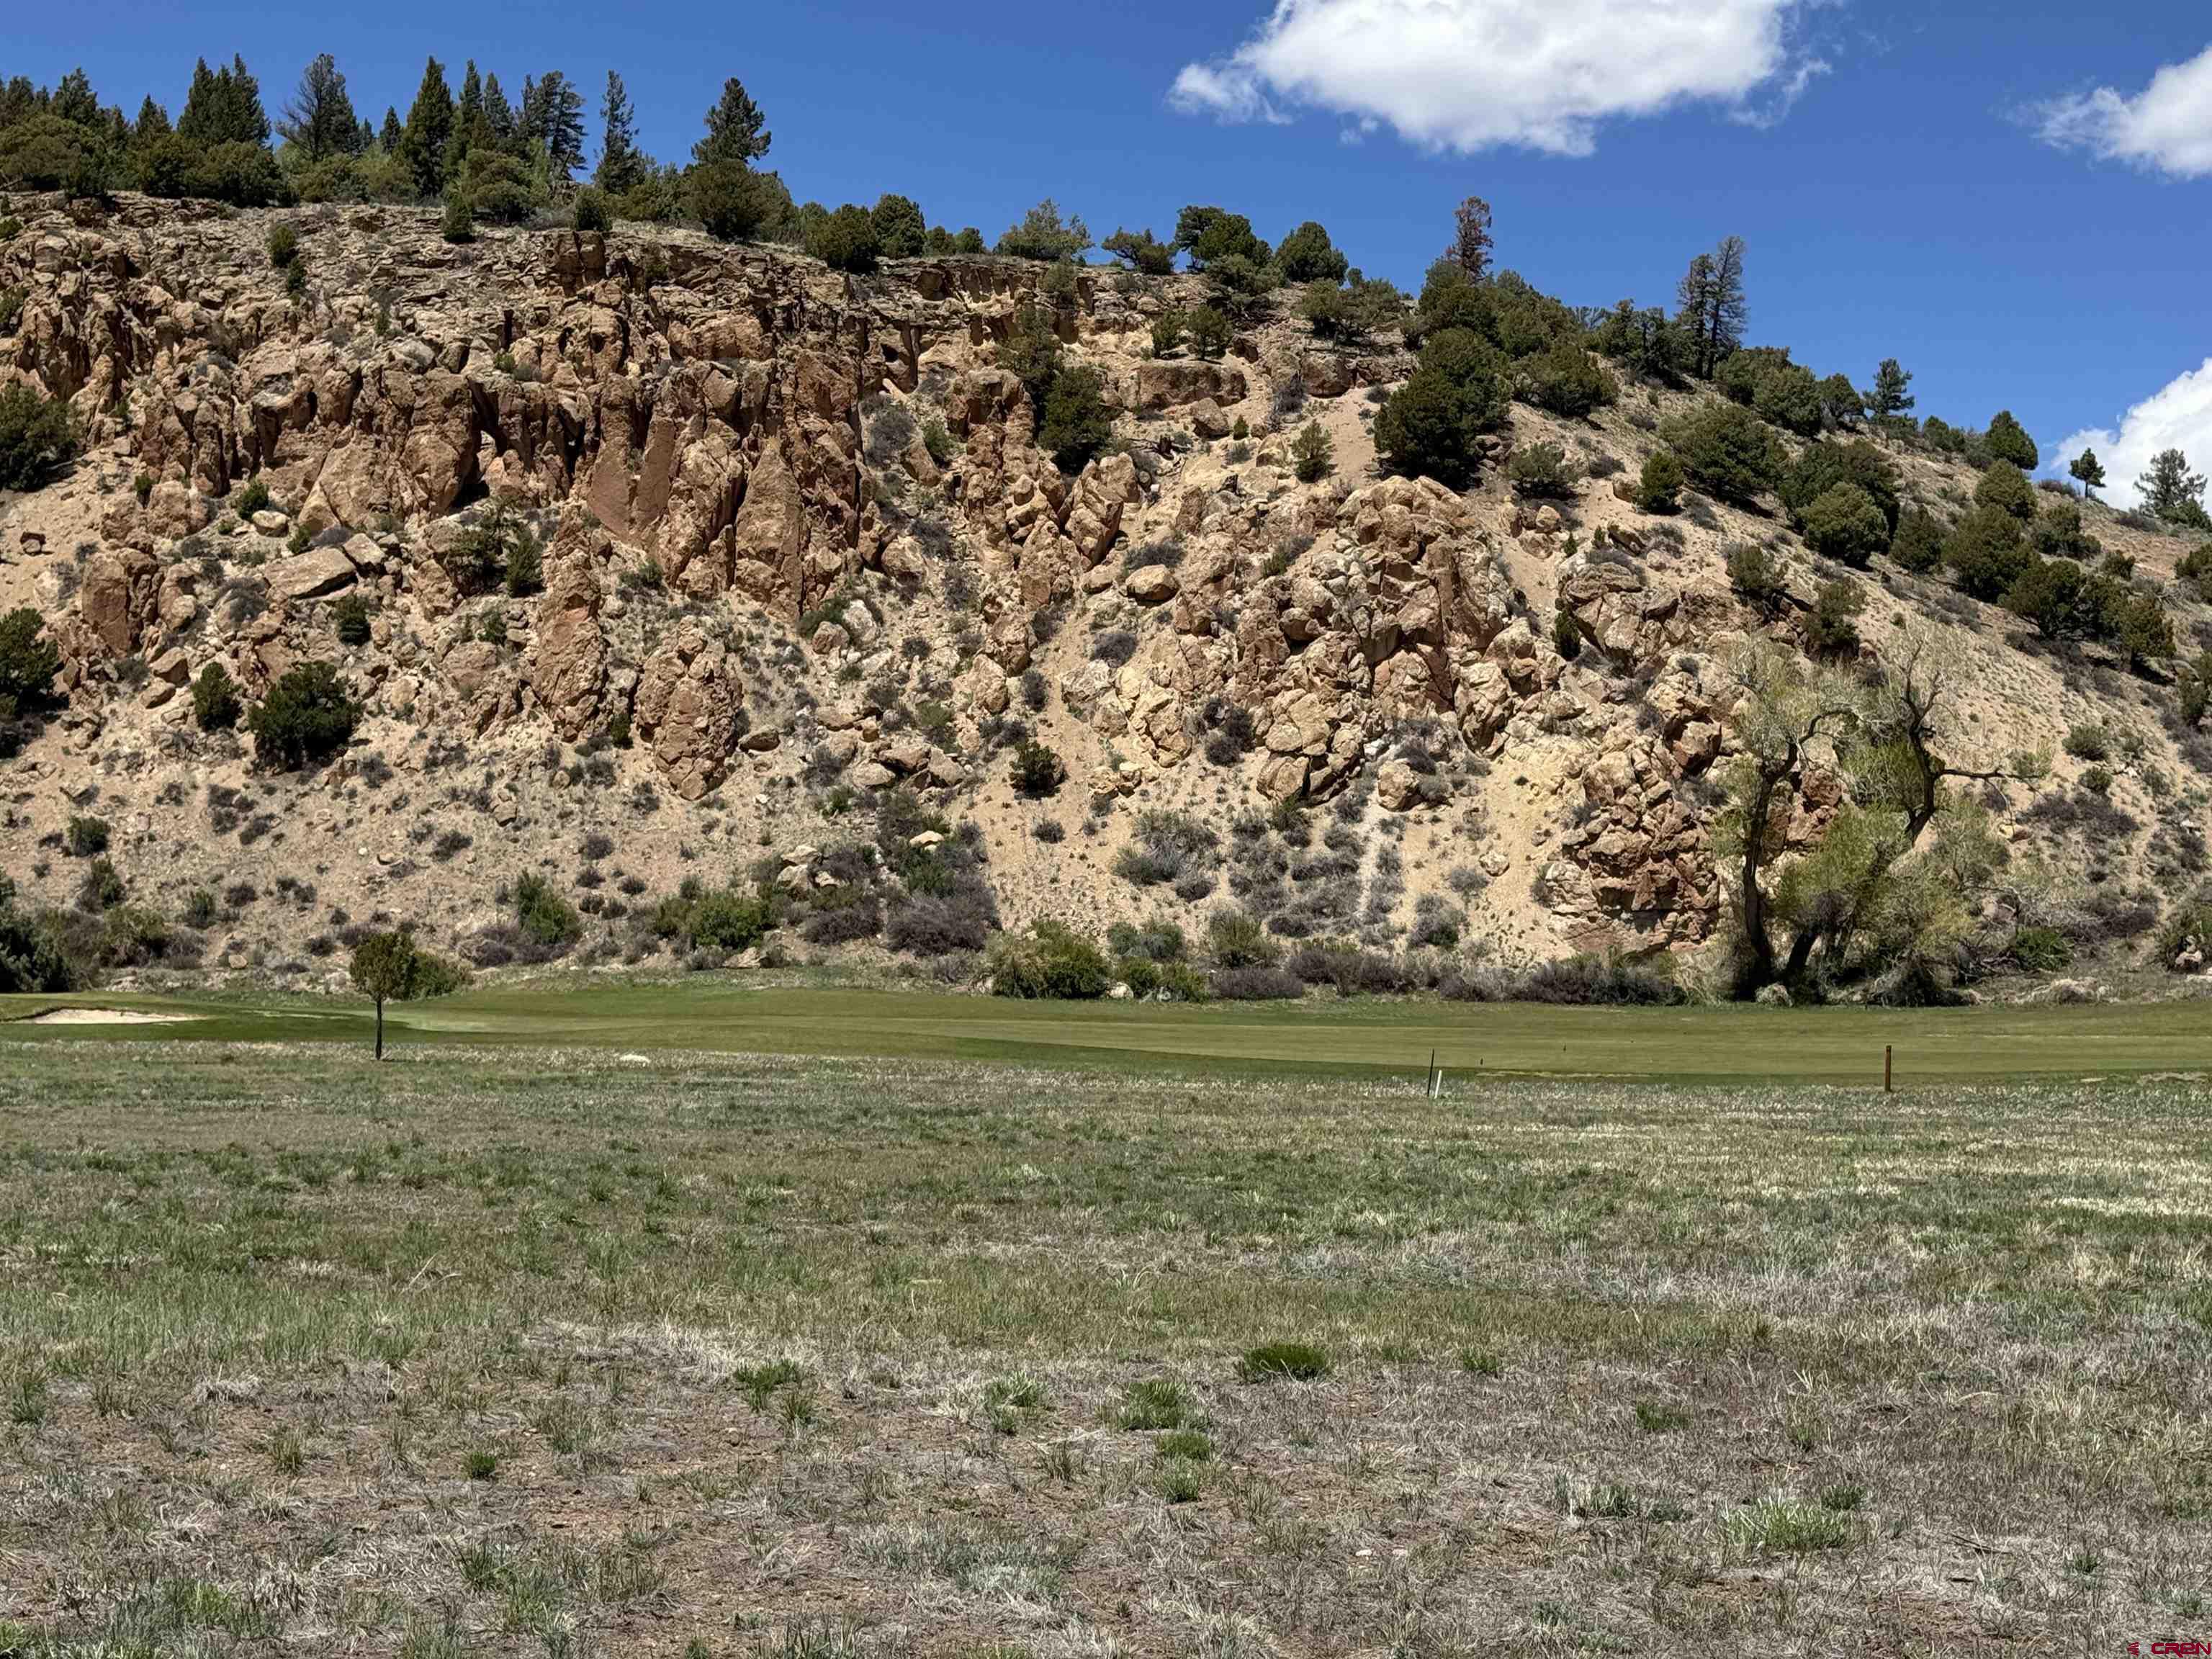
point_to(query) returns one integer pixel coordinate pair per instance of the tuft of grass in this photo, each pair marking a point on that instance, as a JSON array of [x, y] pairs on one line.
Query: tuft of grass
[[482, 1464], [1297, 1362], [1778, 1527], [286, 1455], [1156, 1402], [1180, 1481], [27, 1401], [1657, 1416], [760, 1383], [1189, 1444], [1842, 1499], [1482, 1362]]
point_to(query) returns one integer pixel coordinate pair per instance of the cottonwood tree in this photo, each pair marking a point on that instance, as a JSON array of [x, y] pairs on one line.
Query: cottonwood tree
[[1895, 878], [1711, 306]]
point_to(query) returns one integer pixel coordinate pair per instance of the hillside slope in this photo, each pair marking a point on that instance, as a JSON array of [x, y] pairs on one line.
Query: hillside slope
[[773, 592]]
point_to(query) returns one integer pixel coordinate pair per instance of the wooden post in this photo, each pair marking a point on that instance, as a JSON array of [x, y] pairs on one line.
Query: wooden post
[[1888, 1052]]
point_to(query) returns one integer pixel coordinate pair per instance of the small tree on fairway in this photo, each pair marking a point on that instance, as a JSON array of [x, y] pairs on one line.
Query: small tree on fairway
[[387, 967], [2088, 471]]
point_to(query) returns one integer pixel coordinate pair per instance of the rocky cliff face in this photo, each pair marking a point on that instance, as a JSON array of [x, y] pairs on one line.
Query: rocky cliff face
[[772, 586]]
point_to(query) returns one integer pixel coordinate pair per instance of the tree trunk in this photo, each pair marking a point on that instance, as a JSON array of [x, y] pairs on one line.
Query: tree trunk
[[380, 1027]]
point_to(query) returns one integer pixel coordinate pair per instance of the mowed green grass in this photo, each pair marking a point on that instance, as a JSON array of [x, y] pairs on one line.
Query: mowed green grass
[[1471, 1041]]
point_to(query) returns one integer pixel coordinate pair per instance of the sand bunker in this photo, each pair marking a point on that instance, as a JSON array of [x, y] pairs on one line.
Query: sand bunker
[[105, 1016]]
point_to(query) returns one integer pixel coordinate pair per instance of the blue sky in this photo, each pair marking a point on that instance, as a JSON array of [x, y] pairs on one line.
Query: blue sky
[[2001, 196]]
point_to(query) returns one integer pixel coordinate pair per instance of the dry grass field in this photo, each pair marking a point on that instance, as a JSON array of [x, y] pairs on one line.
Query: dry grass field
[[508, 1350]]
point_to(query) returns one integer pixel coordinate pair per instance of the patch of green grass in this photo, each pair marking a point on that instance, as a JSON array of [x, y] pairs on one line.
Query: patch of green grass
[[1481, 1361], [1657, 1416], [1781, 1528], [1359, 1037], [480, 1464], [1842, 1499], [1156, 1402], [1186, 1444], [1295, 1362]]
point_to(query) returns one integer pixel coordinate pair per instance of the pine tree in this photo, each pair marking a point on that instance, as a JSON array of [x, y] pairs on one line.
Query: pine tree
[[429, 130], [153, 123], [320, 119], [499, 114], [1712, 305], [623, 166], [75, 101], [553, 114], [1471, 241], [2170, 489], [733, 128], [1891, 396], [471, 126], [223, 107], [390, 137], [2088, 471]]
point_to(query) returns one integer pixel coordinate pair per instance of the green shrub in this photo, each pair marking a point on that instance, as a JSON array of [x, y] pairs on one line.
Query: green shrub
[[729, 920], [1566, 634], [2055, 595], [1918, 543], [1044, 235], [1847, 523], [1313, 453], [543, 913], [736, 203], [1237, 939], [350, 620], [459, 223], [1987, 552], [1296, 1362], [214, 699], [1833, 628], [1052, 961], [252, 499], [87, 837], [102, 888], [845, 239], [1823, 466], [28, 661], [2041, 950], [283, 244], [1756, 575], [526, 565], [308, 715], [1541, 470], [2007, 441], [1433, 424], [1210, 333], [1566, 379], [899, 226], [1036, 770], [591, 211], [1077, 422], [1727, 453], [1659, 487], [2006, 487], [1168, 330], [35, 437]]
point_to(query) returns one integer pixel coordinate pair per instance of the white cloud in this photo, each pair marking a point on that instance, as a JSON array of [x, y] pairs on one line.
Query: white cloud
[[2179, 416], [1467, 75], [2166, 126]]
